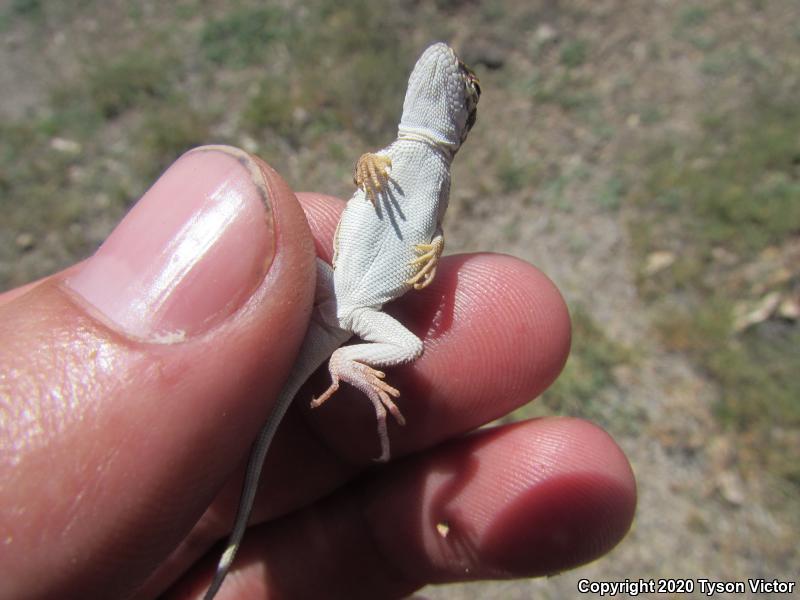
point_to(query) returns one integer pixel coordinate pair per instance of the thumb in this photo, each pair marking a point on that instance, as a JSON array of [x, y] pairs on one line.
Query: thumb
[[133, 383]]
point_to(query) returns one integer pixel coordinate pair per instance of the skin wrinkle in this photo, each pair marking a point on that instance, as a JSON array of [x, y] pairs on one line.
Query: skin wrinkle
[[57, 407], [63, 405], [326, 211]]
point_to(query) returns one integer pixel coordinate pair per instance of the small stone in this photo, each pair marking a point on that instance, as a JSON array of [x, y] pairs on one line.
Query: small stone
[[546, 33], [248, 144], [102, 200], [789, 308], [300, 116], [25, 241], [731, 488], [747, 314], [721, 452], [724, 256], [658, 261], [64, 145]]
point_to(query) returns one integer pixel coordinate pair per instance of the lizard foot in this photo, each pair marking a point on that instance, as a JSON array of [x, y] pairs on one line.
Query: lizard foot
[[371, 382], [372, 174], [428, 258], [368, 380]]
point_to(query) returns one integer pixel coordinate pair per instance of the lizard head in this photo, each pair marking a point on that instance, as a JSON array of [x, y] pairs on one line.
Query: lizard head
[[441, 100]]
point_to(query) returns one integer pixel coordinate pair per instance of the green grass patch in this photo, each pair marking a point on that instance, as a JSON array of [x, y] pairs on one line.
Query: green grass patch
[[32, 174], [37, 193], [356, 89], [611, 193], [121, 82], [756, 369], [563, 88], [242, 37], [574, 53], [738, 188], [271, 107], [514, 172], [167, 132], [26, 8], [330, 82], [693, 16], [589, 369], [732, 194]]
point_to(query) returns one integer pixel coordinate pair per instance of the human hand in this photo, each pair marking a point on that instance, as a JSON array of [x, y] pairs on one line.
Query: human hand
[[132, 385]]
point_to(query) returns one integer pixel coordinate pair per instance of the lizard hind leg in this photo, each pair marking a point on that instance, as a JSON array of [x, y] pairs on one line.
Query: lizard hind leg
[[370, 382], [387, 343]]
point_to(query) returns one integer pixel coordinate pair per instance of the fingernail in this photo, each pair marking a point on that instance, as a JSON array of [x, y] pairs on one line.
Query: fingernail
[[189, 253]]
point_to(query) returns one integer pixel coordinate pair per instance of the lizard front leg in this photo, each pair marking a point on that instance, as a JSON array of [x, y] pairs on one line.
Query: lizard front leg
[[389, 343], [427, 260], [372, 174]]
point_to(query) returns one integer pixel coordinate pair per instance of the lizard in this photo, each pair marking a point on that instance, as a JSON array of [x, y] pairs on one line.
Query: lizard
[[388, 241]]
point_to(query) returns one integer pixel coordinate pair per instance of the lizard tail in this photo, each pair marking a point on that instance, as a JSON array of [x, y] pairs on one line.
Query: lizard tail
[[320, 341], [254, 464]]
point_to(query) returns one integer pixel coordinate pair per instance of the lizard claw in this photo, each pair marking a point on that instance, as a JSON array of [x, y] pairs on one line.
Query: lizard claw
[[372, 174], [384, 391], [429, 259], [317, 402]]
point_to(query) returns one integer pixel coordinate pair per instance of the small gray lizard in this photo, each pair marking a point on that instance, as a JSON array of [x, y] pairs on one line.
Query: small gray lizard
[[388, 241]]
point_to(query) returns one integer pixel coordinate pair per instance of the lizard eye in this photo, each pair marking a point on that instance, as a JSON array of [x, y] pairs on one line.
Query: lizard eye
[[471, 80], [471, 84], [472, 93], [475, 85]]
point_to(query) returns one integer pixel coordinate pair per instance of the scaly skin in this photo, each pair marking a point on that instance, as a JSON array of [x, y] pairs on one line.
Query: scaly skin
[[388, 241]]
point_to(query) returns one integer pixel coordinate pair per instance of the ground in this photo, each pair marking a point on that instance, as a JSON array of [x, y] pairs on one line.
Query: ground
[[645, 155]]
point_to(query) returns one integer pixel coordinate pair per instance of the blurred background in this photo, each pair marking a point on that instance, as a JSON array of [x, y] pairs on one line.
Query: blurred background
[[645, 155]]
